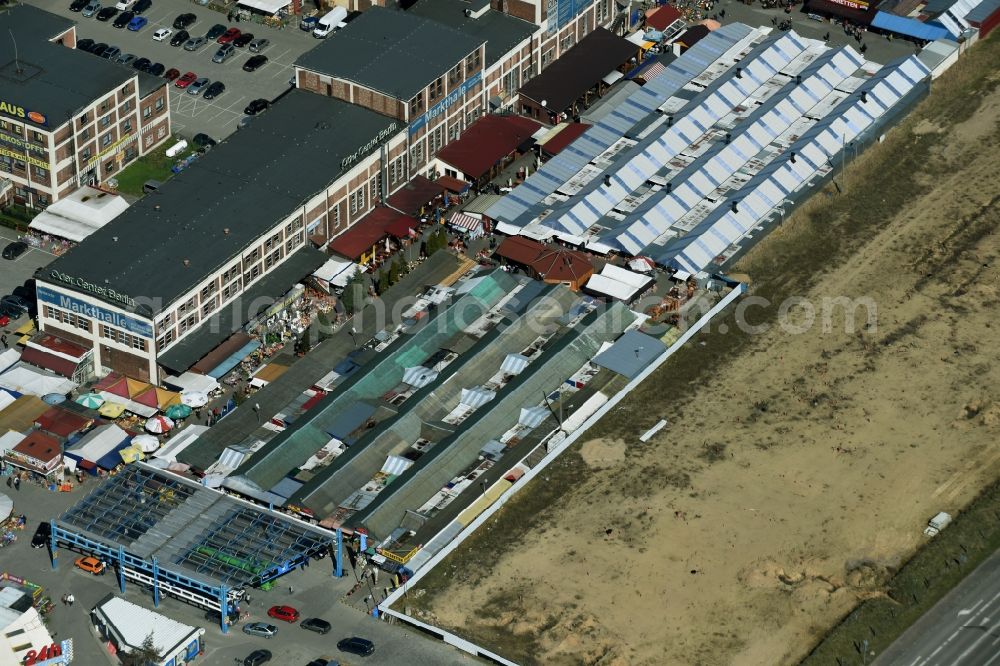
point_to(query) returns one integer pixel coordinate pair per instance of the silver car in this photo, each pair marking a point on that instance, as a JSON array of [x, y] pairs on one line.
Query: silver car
[[225, 52], [258, 45], [125, 59], [194, 43], [198, 86], [262, 629], [92, 8]]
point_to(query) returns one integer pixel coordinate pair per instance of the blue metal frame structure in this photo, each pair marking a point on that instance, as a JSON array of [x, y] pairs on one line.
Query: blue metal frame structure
[[207, 548]]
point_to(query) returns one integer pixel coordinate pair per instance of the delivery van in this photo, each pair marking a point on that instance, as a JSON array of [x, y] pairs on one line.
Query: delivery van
[[331, 21]]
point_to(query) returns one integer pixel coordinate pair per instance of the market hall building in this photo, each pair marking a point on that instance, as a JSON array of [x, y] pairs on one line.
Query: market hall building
[[67, 118], [174, 279]]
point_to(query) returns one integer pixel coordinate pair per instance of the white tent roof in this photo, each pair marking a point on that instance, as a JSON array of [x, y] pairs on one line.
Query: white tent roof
[[99, 442], [6, 399], [476, 397], [396, 465], [336, 271], [628, 277], [266, 6], [613, 288], [514, 364], [419, 376], [193, 381], [185, 438], [133, 623], [8, 358], [80, 214], [9, 440], [25, 379], [532, 417]]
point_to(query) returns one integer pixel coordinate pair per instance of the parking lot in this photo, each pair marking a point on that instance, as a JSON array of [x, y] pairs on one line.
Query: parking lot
[[13, 272], [314, 593], [190, 115]]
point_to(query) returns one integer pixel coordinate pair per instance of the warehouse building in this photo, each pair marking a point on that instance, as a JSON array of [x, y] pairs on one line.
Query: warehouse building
[[68, 119], [174, 279], [693, 166]]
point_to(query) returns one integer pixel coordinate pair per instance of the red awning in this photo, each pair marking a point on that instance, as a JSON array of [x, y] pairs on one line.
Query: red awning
[[115, 384], [46, 361], [453, 184]]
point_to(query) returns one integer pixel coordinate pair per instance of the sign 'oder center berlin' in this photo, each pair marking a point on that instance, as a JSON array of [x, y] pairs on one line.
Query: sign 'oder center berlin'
[[85, 309]]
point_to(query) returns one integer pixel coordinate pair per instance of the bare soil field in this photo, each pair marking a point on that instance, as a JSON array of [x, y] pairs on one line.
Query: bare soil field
[[799, 466]]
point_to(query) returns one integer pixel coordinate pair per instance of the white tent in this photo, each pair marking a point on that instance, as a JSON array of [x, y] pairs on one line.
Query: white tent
[[396, 465], [335, 273], [476, 397], [9, 440], [99, 442], [183, 439], [271, 7], [618, 283], [25, 379], [80, 214], [6, 399], [193, 381], [532, 417], [419, 376], [8, 358], [514, 364]]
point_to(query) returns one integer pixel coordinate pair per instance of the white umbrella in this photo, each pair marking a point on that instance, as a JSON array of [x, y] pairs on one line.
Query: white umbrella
[[6, 507], [194, 399], [642, 264], [159, 424], [146, 443]]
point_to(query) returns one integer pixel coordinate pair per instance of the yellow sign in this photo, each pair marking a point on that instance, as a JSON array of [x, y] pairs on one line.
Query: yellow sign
[[110, 149], [24, 158], [18, 142]]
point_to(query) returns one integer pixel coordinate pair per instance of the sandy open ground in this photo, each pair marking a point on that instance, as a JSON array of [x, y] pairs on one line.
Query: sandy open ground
[[792, 477]]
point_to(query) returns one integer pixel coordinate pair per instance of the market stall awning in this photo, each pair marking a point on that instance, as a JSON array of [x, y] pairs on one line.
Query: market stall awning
[[100, 446], [465, 221], [419, 376], [514, 364], [271, 7], [129, 404], [476, 397], [193, 381], [909, 27], [26, 379], [234, 359]]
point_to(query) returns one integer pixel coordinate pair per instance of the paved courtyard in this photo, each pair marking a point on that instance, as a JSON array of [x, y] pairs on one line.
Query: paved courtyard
[[190, 115], [13, 272]]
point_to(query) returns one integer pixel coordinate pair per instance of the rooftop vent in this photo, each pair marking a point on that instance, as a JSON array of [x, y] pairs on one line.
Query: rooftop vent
[[187, 262], [226, 231]]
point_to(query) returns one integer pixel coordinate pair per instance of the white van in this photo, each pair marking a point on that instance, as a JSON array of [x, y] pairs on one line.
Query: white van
[[125, 5], [331, 21]]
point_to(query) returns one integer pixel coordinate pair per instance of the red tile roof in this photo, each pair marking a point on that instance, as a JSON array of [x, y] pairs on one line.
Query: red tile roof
[[62, 422], [416, 194], [486, 142], [55, 343], [369, 230], [568, 135], [662, 17], [520, 250], [39, 446], [558, 263], [46, 361]]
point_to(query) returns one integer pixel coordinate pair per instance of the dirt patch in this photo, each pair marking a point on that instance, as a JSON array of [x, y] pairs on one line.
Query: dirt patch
[[805, 465], [602, 453]]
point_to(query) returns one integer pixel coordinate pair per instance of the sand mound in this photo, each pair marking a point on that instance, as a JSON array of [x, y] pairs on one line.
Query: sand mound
[[603, 453]]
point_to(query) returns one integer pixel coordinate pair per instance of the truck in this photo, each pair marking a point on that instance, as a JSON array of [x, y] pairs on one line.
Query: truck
[[937, 523], [331, 21]]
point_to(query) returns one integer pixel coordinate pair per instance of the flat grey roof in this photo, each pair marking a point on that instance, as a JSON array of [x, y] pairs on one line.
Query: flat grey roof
[[395, 52], [46, 77], [502, 32], [213, 210]]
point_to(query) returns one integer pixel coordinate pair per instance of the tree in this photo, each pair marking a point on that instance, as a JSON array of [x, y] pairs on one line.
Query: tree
[[303, 344], [143, 655], [324, 325], [353, 296], [383, 281], [394, 272]]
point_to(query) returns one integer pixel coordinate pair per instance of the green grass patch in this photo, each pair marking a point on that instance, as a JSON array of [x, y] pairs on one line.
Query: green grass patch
[[153, 166]]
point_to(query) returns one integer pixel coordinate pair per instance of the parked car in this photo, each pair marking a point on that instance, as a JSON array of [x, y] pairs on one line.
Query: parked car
[[91, 564], [286, 613], [186, 80], [156, 69], [137, 23], [262, 629], [141, 64], [14, 250], [179, 38], [195, 43], [258, 45], [257, 657], [359, 646], [142, 6], [9, 313], [125, 58], [42, 534], [244, 39], [224, 53], [229, 35], [213, 91], [15, 303], [107, 14], [216, 31], [111, 53], [162, 34], [184, 21], [319, 625], [256, 106], [91, 8], [84, 45], [123, 19], [78, 5], [171, 74], [201, 139], [198, 86], [321, 662], [254, 63], [99, 49], [308, 23]]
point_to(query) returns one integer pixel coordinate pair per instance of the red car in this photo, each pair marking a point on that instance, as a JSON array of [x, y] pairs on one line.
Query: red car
[[286, 613], [186, 80], [229, 35], [171, 74]]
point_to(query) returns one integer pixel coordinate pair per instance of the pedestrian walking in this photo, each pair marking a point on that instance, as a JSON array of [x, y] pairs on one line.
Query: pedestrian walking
[[63, 599], [70, 599], [291, 590], [3, 339], [17, 483]]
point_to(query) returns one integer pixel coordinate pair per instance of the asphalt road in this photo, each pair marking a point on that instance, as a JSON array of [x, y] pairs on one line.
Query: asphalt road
[[13, 272], [315, 593], [963, 629], [190, 115]]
